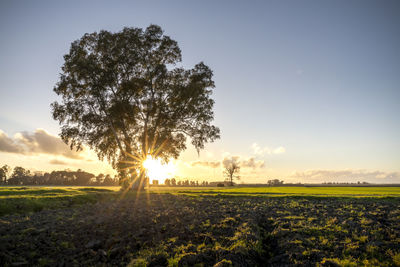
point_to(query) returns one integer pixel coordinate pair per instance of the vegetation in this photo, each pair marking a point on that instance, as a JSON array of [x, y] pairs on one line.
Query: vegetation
[[298, 191], [32, 199], [21, 176], [122, 96], [4, 173], [231, 171], [174, 229], [274, 182]]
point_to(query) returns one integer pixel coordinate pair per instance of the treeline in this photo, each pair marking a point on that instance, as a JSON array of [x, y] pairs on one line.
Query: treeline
[[345, 183], [22, 176], [174, 182]]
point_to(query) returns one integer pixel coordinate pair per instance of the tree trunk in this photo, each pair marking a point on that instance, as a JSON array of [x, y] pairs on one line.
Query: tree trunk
[[140, 183]]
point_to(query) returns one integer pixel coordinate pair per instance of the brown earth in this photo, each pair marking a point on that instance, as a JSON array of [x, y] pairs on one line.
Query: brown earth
[[157, 230]]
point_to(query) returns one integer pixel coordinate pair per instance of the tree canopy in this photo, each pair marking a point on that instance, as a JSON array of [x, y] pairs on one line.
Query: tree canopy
[[124, 97], [231, 171], [4, 173]]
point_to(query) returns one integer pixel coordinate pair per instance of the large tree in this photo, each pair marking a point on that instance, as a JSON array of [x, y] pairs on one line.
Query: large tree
[[123, 96], [232, 170]]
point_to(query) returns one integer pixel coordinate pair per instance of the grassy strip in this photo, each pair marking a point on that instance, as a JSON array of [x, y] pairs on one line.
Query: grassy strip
[[34, 200]]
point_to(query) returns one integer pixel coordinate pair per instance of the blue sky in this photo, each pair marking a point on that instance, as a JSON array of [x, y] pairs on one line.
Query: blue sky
[[318, 78]]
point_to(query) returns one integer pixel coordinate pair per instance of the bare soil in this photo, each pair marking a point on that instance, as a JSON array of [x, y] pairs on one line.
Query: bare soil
[[178, 230]]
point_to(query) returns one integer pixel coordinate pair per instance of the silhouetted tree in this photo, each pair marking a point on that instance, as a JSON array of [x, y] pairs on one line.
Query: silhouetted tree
[[20, 176], [4, 171], [20, 172], [173, 182], [122, 97], [110, 181], [100, 178], [274, 182], [167, 182], [232, 169]]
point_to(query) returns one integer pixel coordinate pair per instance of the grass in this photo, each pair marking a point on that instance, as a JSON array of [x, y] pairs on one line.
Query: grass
[[32, 199], [286, 191], [185, 226]]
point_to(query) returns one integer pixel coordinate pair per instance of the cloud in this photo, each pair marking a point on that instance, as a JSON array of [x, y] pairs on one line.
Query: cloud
[[347, 175], [279, 150], [7, 144], [38, 142], [257, 150], [252, 163], [229, 160], [212, 164], [57, 162], [244, 163]]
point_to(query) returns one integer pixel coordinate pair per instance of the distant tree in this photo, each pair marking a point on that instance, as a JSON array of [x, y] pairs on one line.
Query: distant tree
[[179, 183], [4, 171], [108, 180], [20, 172], [274, 182], [100, 178], [173, 182], [20, 176], [231, 172], [121, 96], [167, 182], [82, 177]]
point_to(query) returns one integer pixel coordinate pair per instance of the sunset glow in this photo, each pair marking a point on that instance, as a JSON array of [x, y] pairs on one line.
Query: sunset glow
[[156, 170]]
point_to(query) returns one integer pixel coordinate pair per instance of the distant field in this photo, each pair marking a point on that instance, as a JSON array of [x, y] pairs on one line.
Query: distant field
[[31, 199], [294, 191]]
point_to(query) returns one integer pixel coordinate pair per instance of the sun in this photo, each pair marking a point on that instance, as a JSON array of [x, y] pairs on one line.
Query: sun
[[156, 170]]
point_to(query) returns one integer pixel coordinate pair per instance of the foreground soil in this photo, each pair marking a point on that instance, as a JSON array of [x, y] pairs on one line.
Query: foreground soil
[[178, 230]]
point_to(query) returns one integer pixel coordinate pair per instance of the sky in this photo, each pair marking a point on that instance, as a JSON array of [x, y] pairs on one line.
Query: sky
[[306, 91]]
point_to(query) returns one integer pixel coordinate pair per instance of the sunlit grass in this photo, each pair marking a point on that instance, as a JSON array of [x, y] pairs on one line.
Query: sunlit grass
[[288, 191], [31, 199]]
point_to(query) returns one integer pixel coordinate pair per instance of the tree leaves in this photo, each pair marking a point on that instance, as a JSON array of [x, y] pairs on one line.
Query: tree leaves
[[120, 93]]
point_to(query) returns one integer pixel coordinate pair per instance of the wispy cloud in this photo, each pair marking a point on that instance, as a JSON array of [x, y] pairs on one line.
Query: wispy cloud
[[257, 150], [250, 163], [347, 176], [211, 164], [7, 144], [57, 162], [38, 142], [244, 163]]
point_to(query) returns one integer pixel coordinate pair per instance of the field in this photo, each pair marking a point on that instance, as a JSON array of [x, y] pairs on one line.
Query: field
[[241, 226]]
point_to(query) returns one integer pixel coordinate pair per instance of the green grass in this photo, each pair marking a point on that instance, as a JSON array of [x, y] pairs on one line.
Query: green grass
[[32, 199], [291, 191]]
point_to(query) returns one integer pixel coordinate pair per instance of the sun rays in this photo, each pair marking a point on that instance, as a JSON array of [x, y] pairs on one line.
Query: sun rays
[[156, 170], [145, 165]]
